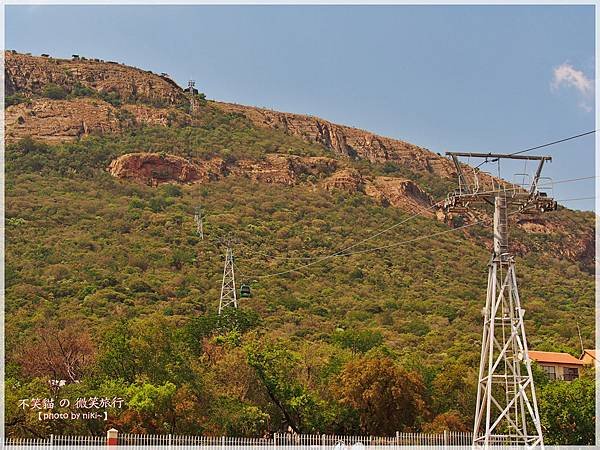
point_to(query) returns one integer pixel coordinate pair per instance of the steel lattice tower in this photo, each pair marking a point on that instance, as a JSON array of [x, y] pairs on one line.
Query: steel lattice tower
[[228, 290], [506, 411], [198, 219], [193, 102]]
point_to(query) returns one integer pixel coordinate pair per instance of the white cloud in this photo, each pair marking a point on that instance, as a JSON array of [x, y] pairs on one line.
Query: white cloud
[[568, 76]]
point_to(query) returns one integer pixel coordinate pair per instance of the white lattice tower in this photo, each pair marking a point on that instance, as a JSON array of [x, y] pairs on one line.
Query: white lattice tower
[[228, 291], [506, 411]]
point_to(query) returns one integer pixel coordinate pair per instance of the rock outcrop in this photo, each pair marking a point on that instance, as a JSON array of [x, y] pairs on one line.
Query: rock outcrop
[[562, 237], [59, 120], [347, 180], [284, 169], [387, 191], [347, 141], [157, 168], [401, 193], [30, 75], [149, 99], [67, 120]]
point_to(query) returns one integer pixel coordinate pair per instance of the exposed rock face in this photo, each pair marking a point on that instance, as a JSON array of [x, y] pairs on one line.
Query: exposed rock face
[[347, 141], [538, 224], [388, 191], [64, 120], [284, 169], [147, 115], [563, 238], [30, 74], [155, 168], [67, 120], [59, 120], [348, 180], [401, 193]]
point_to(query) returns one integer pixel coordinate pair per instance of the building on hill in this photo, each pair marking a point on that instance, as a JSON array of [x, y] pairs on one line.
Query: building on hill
[[588, 357], [558, 366]]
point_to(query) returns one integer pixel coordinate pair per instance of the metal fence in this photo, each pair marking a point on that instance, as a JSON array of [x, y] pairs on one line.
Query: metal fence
[[278, 440]]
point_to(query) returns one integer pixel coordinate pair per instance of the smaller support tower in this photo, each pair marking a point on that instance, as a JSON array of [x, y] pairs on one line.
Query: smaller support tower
[[198, 219], [191, 90], [228, 291]]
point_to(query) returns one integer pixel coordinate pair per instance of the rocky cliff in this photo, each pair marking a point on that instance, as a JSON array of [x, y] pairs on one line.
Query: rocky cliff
[[106, 97], [325, 173], [67, 120], [30, 74], [346, 141], [146, 98]]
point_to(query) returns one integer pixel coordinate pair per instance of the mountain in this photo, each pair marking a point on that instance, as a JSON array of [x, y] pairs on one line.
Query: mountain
[[105, 165]]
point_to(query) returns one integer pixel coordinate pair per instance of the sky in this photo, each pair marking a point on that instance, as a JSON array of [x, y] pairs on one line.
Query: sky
[[448, 78]]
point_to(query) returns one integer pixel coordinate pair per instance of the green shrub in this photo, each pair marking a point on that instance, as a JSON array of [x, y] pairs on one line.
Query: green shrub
[[111, 97], [54, 91], [14, 99], [82, 91]]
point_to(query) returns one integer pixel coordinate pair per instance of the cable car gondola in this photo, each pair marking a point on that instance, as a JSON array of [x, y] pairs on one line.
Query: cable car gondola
[[245, 291]]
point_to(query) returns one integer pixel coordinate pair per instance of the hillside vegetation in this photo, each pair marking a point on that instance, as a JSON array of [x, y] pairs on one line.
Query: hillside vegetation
[[114, 271]]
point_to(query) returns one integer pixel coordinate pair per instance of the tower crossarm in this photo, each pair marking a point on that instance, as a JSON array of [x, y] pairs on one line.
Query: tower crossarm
[[495, 156], [524, 200]]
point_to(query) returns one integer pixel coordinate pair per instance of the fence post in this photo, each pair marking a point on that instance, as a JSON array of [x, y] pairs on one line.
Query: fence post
[[222, 442], [112, 437], [170, 440], [51, 441], [397, 438]]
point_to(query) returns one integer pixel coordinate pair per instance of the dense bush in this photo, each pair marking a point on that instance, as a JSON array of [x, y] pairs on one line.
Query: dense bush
[[120, 263], [54, 92], [14, 99]]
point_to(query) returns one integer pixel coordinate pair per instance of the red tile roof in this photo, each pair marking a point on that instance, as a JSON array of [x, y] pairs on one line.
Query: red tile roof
[[554, 357]]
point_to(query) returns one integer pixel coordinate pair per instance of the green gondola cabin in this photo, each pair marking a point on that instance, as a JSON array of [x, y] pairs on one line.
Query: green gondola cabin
[[245, 291]]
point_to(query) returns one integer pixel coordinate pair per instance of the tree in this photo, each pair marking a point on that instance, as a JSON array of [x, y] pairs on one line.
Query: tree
[[149, 347], [386, 397], [450, 420], [63, 354], [116, 359], [275, 367], [359, 341], [454, 388], [19, 421], [230, 320], [234, 418], [567, 412]]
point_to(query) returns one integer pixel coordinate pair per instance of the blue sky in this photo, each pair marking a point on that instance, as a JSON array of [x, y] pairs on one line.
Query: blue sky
[[449, 78]]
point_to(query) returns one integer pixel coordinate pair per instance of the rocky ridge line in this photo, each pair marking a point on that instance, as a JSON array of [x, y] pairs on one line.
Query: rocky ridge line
[[325, 173]]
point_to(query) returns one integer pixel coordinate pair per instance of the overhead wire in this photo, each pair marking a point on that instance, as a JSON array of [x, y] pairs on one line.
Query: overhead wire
[[575, 199], [553, 143], [339, 252], [343, 251], [548, 144]]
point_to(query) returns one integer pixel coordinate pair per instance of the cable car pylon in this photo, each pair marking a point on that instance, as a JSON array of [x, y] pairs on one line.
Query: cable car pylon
[[198, 219], [228, 291], [506, 411]]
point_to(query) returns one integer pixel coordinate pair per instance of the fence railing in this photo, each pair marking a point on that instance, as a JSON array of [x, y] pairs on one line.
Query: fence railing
[[448, 438]]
